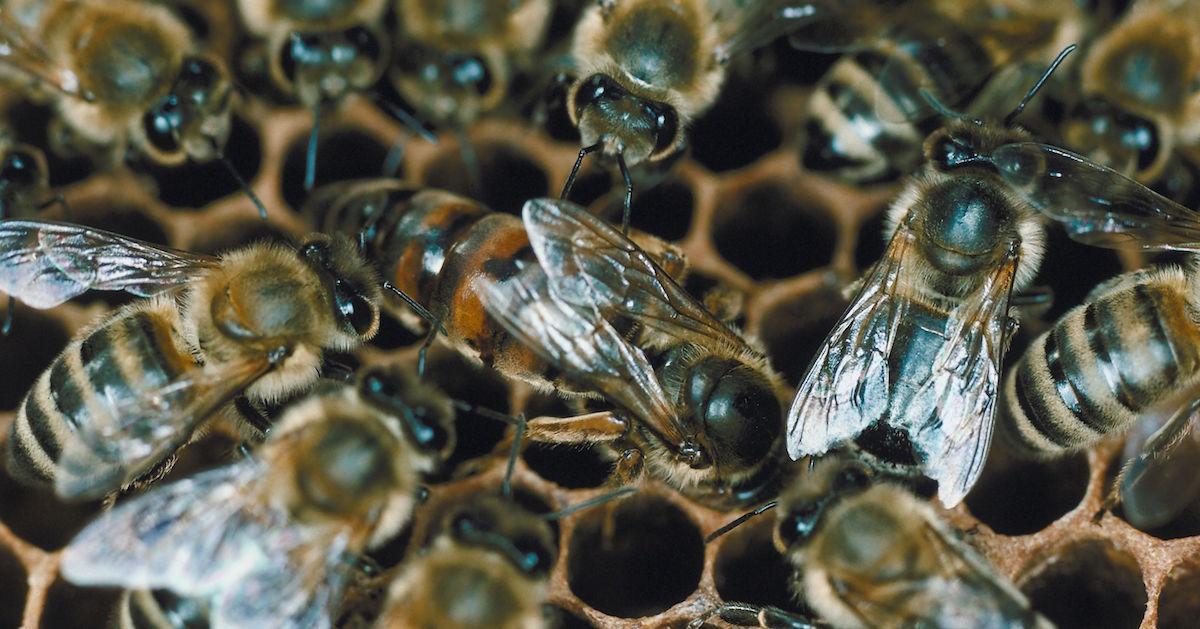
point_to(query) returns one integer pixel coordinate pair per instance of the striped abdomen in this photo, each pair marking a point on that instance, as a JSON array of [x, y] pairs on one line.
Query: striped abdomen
[[845, 134], [1102, 365], [135, 350]]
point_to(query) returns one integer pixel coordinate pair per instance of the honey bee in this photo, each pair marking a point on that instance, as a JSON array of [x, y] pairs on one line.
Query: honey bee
[[124, 74], [489, 566], [563, 301], [647, 68], [272, 539], [134, 387], [1140, 99], [457, 58], [866, 119], [320, 52], [870, 554]]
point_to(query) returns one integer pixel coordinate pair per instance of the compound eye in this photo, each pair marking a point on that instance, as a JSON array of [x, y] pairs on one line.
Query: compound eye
[[469, 527], [946, 152], [426, 432], [595, 88], [317, 253], [162, 123], [851, 478], [353, 308], [799, 523], [535, 558], [299, 49], [472, 71], [20, 169], [376, 385], [196, 79], [1142, 135], [666, 126], [366, 44]]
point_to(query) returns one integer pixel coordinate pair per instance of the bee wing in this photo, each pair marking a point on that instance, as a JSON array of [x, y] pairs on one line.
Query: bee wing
[[1162, 453], [45, 263], [847, 387], [581, 343], [819, 25], [27, 56], [127, 434], [951, 416], [1096, 204], [592, 266]]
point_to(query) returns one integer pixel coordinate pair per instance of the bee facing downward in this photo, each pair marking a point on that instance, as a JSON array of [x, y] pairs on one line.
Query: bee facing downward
[[131, 389], [271, 540]]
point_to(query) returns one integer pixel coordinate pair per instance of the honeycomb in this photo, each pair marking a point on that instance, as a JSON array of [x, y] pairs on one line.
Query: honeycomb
[[749, 219]]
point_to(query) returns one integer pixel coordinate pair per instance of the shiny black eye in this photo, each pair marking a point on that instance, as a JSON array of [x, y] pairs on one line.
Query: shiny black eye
[[533, 557], [666, 126], [20, 169], [946, 152], [851, 478], [317, 253], [300, 49], [366, 45], [418, 423], [162, 123], [196, 80], [740, 411], [470, 527], [471, 71], [353, 308], [594, 88], [799, 523]]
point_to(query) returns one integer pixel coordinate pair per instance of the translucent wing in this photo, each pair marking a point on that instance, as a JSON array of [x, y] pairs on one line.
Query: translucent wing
[[950, 418], [847, 387], [1097, 205], [592, 266], [581, 343], [131, 432], [23, 54], [45, 263], [818, 25], [1162, 454]]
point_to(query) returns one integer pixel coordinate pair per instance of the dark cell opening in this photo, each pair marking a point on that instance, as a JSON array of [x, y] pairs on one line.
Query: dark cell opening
[[1089, 584], [12, 595], [737, 130], [793, 330], [28, 349], [1179, 603], [343, 154], [799, 66], [507, 176], [651, 561], [1072, 270], [195, 185], [664, 210], [870, 245], [71, 606], [590, 185], [24, 510], [573, 467], [393, 334], [1024, 497], [769, 234], [392, 552], [750, 570], [476, 435], [30, 123]]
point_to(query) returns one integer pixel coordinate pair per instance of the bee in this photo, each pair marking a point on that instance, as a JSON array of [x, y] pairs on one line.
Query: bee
[[870, 554], [273, 539], [647, 68], [123, 74], [488, 566], [457, 58], [134, 387], [24, 179], [561, 300], [1140, 99], [866, 119], [320, 52]]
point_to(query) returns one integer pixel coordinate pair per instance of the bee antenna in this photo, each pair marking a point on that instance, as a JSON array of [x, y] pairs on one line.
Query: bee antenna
[[262, 209], [518, 423], [421, 311], [1012, 115], [628, 193], [470, 161], [742, 519], [575, 169], [405, 118], [939, 106], [6, 327], [310, 157], [589, 503]]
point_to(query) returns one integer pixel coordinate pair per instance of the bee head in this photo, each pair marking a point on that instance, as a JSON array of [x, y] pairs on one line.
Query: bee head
[[425, 418], [192, 120], [623, 123], [1115, 137], [353, 288], [322, 67], [450, 85], [507, 529], [738, 410], [23, 176], [802, 510]]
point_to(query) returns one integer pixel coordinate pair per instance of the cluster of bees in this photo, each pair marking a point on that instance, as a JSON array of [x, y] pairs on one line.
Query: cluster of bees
[[904, 394]]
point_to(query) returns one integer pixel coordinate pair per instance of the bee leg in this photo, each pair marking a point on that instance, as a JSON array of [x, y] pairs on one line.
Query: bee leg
[[601, 427], [748, 615], [425, 345], [628, 194], [625, 473], [57, 199]]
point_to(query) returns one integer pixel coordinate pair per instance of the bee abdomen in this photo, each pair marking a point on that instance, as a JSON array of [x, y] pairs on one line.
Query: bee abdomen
[[1099, 368], [138, 346]]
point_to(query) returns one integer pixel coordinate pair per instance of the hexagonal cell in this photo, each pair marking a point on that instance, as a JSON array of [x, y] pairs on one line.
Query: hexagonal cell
[[1179, 602], [1087, 584], [750, 570], [737, 130], [664, 210], [592, 183], [30, 123], [29, 348], [476, 435], [769, 233], [195, 185], [573, 467], [71, 606], [16, 587], [507, 177], [37, 516], [648, 559], [1023, 497], [794, 329], [1072, 270], [341, 154]]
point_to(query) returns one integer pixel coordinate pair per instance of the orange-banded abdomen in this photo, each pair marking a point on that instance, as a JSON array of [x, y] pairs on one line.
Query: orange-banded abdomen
[[1102, 365], [135, 351]]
